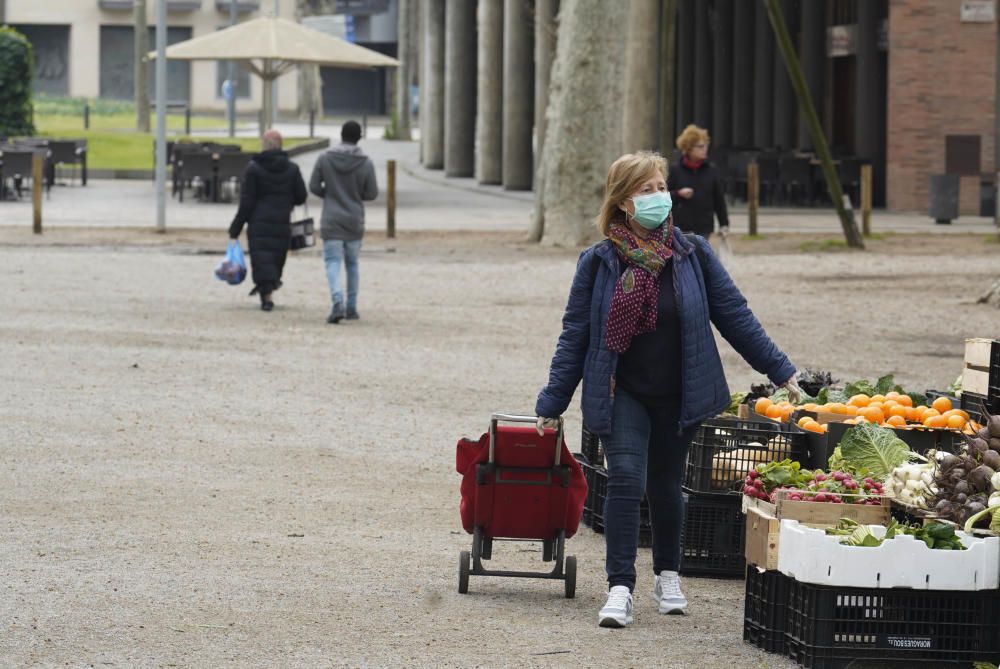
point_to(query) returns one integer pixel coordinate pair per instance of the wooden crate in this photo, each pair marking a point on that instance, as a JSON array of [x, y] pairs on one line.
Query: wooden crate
[[977, 376]]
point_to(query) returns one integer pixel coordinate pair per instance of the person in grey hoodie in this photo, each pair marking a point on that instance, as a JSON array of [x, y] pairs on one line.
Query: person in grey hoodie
[[345, 178]]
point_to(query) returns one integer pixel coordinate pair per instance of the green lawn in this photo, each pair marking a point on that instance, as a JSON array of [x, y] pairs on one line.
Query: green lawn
[[113, 143]]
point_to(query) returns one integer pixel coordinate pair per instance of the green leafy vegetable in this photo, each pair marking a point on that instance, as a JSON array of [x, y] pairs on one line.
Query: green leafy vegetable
[[993, 512], [735, 401], [937, 536], [874, 449]]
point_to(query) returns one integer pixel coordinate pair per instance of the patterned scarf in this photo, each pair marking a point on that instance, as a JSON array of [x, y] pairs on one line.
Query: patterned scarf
[[634, 303]]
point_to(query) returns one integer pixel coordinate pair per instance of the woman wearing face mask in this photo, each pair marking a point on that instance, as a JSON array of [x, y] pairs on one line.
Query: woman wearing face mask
[[696, 186], [637, 332]]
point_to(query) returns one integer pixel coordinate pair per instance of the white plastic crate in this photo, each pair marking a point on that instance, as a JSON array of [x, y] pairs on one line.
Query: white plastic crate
[[810, 555]]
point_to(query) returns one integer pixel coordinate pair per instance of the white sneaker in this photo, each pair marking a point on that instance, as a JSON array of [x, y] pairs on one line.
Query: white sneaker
[[617, 612], [667, 591]]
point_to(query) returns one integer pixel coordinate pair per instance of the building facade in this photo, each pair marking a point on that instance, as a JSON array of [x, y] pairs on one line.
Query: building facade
[[84, 48]]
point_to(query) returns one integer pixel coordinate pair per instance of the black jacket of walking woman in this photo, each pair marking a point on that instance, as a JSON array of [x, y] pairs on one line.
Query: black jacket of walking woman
[[697, 213], [272, 187]]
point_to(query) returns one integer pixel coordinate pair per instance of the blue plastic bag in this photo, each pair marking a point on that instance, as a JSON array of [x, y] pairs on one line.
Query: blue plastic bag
[[233, 269]]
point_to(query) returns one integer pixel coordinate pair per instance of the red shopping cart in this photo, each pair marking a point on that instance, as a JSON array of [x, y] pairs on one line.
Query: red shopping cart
[[519, 486]]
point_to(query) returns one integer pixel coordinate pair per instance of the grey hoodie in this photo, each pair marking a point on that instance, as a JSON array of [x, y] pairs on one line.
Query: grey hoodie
[[343, 177]]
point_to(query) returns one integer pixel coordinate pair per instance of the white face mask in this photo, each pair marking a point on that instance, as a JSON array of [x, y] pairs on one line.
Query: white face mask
[[651, 210]]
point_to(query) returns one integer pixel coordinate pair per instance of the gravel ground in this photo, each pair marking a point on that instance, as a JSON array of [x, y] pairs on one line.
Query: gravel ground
[[187, 481]]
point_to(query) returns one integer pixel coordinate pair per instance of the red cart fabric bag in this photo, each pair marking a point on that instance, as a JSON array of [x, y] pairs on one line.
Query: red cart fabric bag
[[528, 504]]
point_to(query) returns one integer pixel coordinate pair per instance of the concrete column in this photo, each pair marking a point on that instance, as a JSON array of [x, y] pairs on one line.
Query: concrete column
[[545, 53], [722, 77], [763, 81], [702, 49], [518, 94], [668, 75], [432, 81], [489, 97], [402, 101], [812, 55], [685, 65], [639, 127], [743, 35], [784, 97], [459, 88], [869, 140]]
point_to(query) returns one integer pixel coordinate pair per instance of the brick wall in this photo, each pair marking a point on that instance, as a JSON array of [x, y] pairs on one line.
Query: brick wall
[[941, 82]]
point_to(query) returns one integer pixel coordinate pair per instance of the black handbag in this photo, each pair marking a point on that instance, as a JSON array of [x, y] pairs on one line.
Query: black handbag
[[303, 233]]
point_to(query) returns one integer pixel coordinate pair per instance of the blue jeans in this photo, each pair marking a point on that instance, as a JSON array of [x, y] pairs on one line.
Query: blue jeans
[[645, 454], [335, 252]]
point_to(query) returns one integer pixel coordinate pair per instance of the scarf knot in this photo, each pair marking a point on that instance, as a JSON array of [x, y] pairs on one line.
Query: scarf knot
[[637, 292]]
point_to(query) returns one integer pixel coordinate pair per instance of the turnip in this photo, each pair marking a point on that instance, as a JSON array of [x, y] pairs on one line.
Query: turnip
[[993, 426], [979, 478], [991, 459]]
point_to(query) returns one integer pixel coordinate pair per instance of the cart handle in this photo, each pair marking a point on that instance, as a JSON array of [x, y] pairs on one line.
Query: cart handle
[[515, 418]]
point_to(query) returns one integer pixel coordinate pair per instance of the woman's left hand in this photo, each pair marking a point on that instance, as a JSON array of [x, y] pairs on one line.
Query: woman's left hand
[[794, 392]]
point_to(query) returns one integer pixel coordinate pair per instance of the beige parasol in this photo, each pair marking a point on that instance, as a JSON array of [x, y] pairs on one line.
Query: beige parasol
[[271, 47]]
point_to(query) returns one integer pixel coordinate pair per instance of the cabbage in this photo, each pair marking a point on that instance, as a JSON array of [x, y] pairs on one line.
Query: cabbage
[[874, 449]]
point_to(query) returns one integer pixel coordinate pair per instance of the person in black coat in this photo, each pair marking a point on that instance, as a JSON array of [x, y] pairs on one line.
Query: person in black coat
[[696, 186], [272, 187]]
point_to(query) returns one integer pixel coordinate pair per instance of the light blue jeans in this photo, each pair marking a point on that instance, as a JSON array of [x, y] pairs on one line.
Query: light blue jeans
[[335, 252]]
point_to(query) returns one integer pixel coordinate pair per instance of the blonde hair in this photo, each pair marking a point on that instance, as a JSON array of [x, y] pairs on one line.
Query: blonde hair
[[690, 136], [625, 176]]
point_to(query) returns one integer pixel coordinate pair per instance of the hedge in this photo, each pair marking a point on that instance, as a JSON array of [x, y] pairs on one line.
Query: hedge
[[17, 67]]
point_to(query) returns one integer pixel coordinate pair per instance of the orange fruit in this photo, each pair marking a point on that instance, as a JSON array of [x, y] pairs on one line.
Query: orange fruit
[[851, 410], [837, 407], [942, 404], [786, 412], [876, 405], [813, 426], [905, 400], [805, 419], [811, 406], [861, 400], [878, 398], [955, 422], [898, 411], [955, 412], [929, 413], [871, 414], [892, 395], [896, 421], [773, 411], [762, 405], [936, 421]]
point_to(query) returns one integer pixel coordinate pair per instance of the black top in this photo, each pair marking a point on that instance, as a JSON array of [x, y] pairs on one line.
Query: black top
[[272, 187], [651, 367], [697, 214]]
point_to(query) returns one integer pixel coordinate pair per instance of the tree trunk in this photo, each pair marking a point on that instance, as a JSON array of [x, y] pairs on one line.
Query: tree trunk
[[641, 80], [141, 66], [584, 129], [545, 48]]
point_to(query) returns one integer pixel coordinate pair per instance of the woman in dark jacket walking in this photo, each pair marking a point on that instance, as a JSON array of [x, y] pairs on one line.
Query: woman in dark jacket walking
[[696, 186], [272, 187], [637, 331]]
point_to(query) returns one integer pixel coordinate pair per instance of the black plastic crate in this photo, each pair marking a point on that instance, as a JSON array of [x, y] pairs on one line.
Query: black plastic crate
[[725, 449], [994, 383], [582, 459], [765, 609], [714, 536], [590, 445], [830, 627], [975, 404], [596, 495]]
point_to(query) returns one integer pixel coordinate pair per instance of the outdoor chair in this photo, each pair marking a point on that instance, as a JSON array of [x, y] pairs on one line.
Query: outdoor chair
[[15, 164], [70, 152], [198, 166], [229, 166], [795, 184], [767, 177]]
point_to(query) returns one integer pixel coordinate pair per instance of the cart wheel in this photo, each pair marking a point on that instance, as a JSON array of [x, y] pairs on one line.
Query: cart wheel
[[463, 572], [547, 550], [571, 577]]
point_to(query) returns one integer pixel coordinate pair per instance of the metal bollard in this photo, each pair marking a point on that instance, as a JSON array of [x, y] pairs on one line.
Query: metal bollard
[[36, 192], [312, 123], [86, 116], [866, 200], [187, 120], [753, 195]]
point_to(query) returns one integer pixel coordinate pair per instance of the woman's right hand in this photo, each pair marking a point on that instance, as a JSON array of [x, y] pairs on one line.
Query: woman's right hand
[[686, 193], [543, 423]]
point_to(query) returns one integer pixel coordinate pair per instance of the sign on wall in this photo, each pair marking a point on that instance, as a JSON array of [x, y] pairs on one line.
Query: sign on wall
[[978, 11]]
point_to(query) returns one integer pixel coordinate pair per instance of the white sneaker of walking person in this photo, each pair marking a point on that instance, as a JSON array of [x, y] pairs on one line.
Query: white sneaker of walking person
[[617, 612], [667, 591]]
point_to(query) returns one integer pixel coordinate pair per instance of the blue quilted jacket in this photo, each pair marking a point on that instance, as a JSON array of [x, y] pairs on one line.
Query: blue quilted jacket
[[702, 298]]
